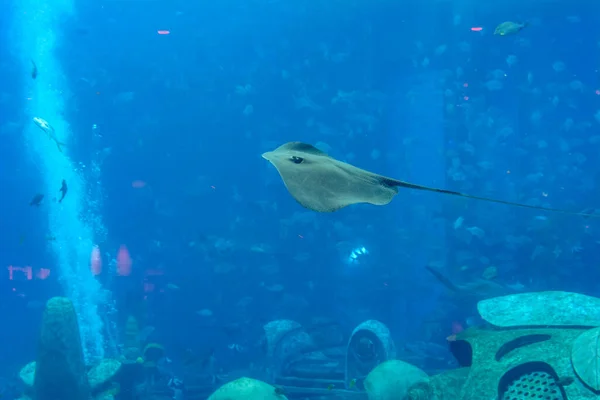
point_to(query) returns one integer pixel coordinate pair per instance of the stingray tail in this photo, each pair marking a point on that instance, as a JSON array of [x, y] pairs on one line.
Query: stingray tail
[[407, 185], [442, 278]]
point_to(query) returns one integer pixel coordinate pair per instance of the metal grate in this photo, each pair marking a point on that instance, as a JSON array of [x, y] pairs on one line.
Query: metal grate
[[534, 385]]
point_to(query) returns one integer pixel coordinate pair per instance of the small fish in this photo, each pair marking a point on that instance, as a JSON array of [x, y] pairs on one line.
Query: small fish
[[237, 348], [458, 223], [63, 189], [457, 327], [205, 312], [509, 28], [565, 381], [37, 200], [34, 70], [330, 386], [50, 238], [177, 394], [591, 211], [205, 359], [352, 384], [81, 31], [279, 391], [172, 286], [49, 130], [175, 384]]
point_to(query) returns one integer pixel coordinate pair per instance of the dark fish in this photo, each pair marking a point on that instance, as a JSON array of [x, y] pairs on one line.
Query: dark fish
[[37, 200], [202, 360], [565, 381], [63, 190], [478, 289], [590, 212], [279, 391], [443, 279], [81, 31], [34, 70]]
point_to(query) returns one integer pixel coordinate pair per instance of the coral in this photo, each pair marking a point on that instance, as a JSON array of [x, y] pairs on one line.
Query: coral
[[60, 371], [275, 330], [102, 373], [27, 374]]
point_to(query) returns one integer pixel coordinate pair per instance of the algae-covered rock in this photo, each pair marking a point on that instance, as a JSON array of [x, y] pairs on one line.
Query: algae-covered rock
[[541, 309], [27, 374], [247, 389], [392, 379], [276, 330], [585, 354], [103, 373], [60, 371]]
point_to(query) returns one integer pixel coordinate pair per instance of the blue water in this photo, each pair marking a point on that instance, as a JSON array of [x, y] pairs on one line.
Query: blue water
[[163, 135]]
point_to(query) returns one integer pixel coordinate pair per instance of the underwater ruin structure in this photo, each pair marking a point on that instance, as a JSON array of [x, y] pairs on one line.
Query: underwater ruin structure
[[543, 345]]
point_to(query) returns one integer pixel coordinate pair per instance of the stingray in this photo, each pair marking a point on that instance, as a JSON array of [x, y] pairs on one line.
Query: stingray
[[477, 289], [321, 183]]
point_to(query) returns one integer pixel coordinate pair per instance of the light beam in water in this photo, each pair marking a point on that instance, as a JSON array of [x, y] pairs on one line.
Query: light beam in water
[[35, 35]]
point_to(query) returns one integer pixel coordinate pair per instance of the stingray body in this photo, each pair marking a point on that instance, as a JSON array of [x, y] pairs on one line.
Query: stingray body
[[322, 183], [477, 289]]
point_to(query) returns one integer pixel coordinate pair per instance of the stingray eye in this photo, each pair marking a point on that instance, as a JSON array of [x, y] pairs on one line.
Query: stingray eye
[[296, 160]]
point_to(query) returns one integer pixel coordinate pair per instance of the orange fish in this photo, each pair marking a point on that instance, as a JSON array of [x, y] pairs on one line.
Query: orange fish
[[123, 262], [138, 184]]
